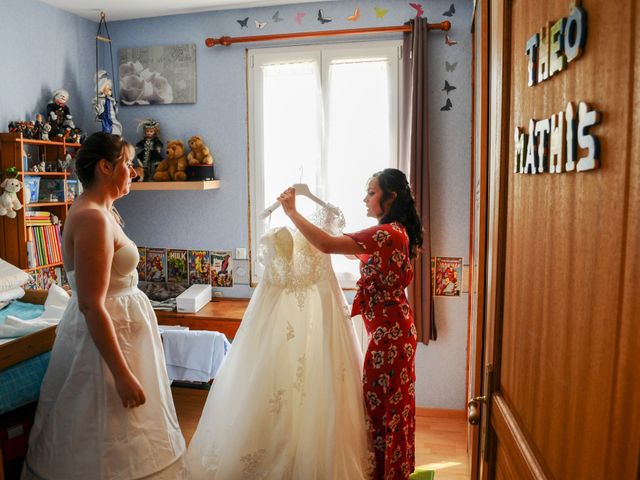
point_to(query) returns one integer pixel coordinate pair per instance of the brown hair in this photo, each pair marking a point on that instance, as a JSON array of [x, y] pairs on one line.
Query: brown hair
[[98, 146]]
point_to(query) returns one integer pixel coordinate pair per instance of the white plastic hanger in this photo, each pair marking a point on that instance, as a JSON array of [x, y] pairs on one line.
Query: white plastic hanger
[[301, 189]]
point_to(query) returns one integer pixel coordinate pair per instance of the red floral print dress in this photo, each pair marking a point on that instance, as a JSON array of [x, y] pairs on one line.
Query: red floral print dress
[[389, 364]]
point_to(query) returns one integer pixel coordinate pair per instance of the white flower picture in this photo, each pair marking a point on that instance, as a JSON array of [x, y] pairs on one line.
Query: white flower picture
[[157, 75]]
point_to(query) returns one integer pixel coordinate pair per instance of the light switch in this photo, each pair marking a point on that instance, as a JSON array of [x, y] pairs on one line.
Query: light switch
[[241, 253]]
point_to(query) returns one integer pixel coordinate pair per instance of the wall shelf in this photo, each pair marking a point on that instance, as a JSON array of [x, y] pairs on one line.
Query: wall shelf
[[195, 185]]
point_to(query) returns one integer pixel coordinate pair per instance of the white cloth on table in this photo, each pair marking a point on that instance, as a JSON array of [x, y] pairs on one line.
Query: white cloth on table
[[54, 307], [194, 355]]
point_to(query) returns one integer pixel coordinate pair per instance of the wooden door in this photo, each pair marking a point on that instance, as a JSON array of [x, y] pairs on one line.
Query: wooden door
[[562, 310]]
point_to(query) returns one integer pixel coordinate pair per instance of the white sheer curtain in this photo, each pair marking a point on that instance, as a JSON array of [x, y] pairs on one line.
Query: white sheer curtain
[[327, 117], [359, 142]]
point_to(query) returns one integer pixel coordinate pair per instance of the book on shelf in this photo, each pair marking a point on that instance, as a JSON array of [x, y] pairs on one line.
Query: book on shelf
[[43, 245]]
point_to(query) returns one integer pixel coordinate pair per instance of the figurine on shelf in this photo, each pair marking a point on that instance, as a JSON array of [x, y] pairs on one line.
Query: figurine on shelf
[[148, 150], [58, 113], [41, 166], [105, 105]]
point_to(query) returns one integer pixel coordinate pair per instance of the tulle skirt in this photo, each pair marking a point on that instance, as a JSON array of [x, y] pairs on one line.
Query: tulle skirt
[[287, 403]]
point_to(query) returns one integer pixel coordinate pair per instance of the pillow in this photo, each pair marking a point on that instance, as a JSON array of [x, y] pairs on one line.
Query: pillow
[[11, 294], [11, 277]]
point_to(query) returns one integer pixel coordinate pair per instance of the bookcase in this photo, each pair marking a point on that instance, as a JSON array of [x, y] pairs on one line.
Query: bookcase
[[27, 240]]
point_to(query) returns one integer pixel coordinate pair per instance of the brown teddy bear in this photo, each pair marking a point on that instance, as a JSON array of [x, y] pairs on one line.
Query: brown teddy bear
[[172, 167], [199, 154]]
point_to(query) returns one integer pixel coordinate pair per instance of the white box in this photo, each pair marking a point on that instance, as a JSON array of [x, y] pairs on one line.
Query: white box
[[193, 298]]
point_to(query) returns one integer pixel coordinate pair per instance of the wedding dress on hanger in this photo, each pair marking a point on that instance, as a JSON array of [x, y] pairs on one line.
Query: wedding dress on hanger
[[287, 403]]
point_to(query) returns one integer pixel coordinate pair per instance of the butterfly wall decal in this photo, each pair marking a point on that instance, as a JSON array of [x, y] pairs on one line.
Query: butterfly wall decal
[[448, 87], [298, 17], [380, 12], [356, 15], [450, 67], [451, 11], [260, 25], [447, 106], [418, 8], [243, 23], [322, 19], [449, 41], [276, 17]]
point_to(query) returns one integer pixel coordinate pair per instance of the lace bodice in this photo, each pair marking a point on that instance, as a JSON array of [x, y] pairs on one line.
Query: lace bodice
[[290, 261]]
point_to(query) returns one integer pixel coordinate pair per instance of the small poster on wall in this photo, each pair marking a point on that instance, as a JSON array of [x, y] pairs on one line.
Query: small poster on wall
[[221, 269], [448, 277], [158, 75]]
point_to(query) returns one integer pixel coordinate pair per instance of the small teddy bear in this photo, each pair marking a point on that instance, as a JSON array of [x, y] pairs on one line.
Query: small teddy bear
[[9, 202], [199, 154], [173, 167]]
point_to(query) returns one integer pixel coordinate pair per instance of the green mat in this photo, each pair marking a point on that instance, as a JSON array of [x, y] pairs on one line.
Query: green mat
[[422, 474]]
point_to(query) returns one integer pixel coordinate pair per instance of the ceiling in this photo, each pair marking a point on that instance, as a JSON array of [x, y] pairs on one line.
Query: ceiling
[[130, 9]]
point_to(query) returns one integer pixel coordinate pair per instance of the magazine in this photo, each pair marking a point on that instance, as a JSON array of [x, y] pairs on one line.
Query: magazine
[[142, 263], [156, 265], [177, 266], [199, 267], [221, 269]]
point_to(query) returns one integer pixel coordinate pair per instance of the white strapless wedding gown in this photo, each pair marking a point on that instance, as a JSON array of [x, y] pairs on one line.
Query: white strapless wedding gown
[[287, 404], [81, 430]]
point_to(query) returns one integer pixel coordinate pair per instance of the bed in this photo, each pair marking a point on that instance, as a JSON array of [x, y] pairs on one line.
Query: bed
[[23, 362]]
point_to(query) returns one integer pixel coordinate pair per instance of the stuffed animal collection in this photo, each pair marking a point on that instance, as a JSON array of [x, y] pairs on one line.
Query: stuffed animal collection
[[174, 166]]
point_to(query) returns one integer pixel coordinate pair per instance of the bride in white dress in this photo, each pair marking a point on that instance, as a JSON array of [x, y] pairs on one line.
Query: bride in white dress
[[105, 410], [287, 404]]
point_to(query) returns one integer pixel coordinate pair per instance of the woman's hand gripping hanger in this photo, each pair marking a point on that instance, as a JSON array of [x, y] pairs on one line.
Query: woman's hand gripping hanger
[[301, 189]]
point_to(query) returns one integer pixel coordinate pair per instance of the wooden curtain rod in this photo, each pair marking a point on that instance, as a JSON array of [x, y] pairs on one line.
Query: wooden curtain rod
[[227, 41]]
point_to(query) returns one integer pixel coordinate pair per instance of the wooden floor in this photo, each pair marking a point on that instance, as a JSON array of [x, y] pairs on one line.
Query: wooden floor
[[441, 442]]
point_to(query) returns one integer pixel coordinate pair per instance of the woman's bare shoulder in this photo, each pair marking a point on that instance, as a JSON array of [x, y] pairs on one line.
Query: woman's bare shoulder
[[88, 217]]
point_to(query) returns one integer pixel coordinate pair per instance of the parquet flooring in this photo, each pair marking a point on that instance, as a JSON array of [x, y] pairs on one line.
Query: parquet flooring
[[441, 442]]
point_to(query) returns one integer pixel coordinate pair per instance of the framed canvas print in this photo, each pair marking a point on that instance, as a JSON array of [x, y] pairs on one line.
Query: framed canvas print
[[157, 75]]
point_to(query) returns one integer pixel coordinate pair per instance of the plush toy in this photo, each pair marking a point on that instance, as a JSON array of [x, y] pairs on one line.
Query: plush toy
[[173, 167], [199, 154], [9, 202]]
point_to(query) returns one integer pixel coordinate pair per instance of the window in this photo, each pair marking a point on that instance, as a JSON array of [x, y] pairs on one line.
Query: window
[[327, 116]]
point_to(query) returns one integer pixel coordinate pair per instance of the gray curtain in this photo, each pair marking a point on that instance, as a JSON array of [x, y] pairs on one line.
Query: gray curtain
[[414, 159]]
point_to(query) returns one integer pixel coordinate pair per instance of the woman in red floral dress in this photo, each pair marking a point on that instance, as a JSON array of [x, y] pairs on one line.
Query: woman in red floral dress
[[385, 252]]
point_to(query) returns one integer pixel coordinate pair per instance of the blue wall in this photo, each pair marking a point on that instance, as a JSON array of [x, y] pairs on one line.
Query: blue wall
[[43, 48], [217, 219]]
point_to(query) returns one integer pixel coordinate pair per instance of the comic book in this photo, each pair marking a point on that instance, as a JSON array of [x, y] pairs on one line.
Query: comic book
[[156, 265], [177, 266], [448, 276], [142, 264], [221, 269], [46, 277], [199, 267]]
